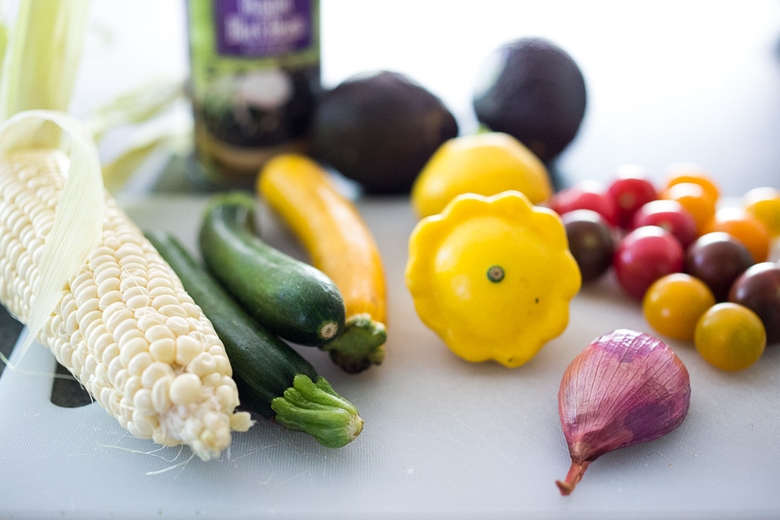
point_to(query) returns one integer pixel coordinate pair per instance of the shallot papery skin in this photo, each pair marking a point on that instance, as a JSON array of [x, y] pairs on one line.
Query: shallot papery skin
[[625, 388]]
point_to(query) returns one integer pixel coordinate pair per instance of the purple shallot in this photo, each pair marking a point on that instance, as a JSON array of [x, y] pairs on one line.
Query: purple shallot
[[625, 388]]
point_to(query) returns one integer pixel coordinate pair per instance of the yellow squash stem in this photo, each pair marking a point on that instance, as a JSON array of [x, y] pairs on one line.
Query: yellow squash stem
[[340, 244]]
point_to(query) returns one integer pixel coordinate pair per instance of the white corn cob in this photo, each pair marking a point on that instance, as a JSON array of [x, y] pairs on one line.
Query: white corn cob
[[124, 327]]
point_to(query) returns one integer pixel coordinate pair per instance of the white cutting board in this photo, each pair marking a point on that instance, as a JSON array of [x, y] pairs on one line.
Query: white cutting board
[[443, 438]]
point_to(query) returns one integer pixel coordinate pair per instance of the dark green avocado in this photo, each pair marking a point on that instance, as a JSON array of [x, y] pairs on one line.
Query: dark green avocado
[[379, 130], [533, 90]]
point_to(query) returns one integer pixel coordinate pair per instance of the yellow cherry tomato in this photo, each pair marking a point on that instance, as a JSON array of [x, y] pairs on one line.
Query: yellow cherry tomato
[[485, 163], [764, 204], [492, 276], [730, 336], [674, 304]]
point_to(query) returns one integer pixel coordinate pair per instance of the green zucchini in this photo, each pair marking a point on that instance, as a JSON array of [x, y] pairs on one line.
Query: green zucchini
[[273, 379], [293, 299]]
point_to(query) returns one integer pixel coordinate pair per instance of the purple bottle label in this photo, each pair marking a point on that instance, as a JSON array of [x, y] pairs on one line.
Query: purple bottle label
[[258, 28]]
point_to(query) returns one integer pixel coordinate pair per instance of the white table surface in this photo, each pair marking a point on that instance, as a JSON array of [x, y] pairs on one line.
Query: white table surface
[[443, 438]]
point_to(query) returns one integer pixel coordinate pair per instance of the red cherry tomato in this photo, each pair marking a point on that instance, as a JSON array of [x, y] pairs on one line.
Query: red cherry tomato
[[670, 215], [629, 191], [645, 255], [585, 195]]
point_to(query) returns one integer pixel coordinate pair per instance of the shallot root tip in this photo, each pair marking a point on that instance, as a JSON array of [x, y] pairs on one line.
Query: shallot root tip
[[576, 471]]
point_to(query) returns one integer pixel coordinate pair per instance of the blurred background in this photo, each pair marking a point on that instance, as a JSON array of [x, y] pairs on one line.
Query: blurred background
[[667, 81]]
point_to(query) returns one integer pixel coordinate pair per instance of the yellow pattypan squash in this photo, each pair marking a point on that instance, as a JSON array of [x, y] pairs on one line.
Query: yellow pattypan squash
[[492, 276], [485, 163]]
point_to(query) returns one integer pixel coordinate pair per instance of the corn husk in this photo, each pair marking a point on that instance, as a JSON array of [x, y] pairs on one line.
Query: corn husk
[[40, 64], [42, 59], [79, 216]]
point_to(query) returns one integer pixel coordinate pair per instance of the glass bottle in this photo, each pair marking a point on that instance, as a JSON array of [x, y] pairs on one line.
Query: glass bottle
[[254, 77]]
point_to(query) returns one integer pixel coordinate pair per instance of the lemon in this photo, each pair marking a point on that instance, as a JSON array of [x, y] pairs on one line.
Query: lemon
[[485, 164]]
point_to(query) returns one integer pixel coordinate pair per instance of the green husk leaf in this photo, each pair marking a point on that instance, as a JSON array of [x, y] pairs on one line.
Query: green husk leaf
[[39, 66], [78, 219], [135, 106], [41, 62], [170, 134]]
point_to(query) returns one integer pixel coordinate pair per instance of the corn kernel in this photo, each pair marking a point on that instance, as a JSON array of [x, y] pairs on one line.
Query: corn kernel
[[154, 372], [212, 380], [202, 364], [178, 325], [128, 326], [137, 302], [163, 350], [110, 354], [114, 315], [161, 394], [108, 298], [142, 401], [186, 349], [131, 347], [185, 389], [174, 311], [241, 421], [226, 397], [158, 332], [147, 319], [139, 363]]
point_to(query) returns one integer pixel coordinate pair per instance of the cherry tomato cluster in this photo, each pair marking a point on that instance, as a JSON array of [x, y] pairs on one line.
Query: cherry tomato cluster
[[701, 270]]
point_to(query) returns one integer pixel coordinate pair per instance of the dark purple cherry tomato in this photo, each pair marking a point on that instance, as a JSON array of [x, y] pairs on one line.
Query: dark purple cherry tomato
[[645, 255], [670, 215], [629, 191], [585, 195], [590, 242], [758, 289], [717, 259]]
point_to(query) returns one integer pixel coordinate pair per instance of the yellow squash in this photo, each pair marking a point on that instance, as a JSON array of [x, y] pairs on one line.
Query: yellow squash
[[492, 276], [340, 244], [484, 163]]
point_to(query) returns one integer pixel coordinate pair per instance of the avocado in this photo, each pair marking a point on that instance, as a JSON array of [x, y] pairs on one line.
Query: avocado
[[379, 129], [534, 91]]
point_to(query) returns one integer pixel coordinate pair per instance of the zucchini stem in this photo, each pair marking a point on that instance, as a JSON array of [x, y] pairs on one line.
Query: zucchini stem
[[360, 345], [315, 408]]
